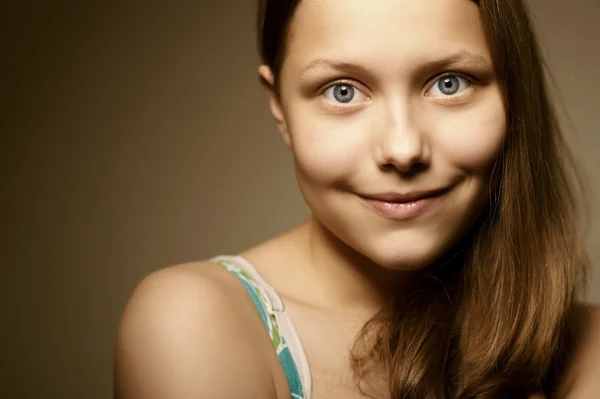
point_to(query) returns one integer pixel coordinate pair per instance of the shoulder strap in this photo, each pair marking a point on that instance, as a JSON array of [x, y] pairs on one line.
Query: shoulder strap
[[279, 326]]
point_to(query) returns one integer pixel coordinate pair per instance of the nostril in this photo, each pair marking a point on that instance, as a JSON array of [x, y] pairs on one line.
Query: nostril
[[405, 170], [418, 165]]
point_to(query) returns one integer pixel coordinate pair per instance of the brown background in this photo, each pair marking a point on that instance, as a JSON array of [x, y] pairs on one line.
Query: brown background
[[135, 136]]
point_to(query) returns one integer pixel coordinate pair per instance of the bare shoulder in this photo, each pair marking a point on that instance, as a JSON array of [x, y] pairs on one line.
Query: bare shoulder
[[582, 378], [184, 334]]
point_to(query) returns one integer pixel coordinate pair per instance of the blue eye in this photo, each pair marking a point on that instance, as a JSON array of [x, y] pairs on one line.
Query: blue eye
[[343, 94], [449, 85]]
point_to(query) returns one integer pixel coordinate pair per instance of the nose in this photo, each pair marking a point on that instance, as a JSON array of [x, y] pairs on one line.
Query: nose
[[403, 146]]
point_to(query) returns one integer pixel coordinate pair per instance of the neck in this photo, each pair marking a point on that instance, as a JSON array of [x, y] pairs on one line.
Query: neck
[[341, 278]]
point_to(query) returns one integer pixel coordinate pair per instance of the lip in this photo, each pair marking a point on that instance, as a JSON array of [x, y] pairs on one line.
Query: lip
[[403, 206]]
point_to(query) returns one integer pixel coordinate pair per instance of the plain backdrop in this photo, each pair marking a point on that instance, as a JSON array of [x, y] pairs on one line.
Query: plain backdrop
[[135, 136]]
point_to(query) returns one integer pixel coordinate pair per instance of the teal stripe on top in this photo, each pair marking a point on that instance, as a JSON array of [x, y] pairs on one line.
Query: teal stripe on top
[[279, 343]]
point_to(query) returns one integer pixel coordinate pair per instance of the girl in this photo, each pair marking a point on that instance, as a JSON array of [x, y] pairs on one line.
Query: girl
[[444, 253]]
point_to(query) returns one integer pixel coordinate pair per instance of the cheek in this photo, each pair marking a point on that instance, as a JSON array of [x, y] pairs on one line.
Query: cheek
[[327, 150], [473, 139]]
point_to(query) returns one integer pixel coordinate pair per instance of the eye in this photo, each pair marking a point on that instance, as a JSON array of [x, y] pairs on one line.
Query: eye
[[449, 85], [343, 94]]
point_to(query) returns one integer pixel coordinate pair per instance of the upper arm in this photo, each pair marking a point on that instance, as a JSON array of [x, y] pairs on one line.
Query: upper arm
[[582, 377], [180, 337]]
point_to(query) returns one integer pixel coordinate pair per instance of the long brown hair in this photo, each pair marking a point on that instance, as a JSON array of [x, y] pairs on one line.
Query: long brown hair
[[491, 318]]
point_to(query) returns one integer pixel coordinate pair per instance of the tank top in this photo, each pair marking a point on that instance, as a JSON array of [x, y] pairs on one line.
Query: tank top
[[271, 309]]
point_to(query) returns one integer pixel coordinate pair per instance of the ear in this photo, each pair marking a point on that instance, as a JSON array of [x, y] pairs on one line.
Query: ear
[[267, 79]]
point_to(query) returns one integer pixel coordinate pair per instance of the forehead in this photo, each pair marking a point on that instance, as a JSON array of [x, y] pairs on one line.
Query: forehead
[[390, 32]]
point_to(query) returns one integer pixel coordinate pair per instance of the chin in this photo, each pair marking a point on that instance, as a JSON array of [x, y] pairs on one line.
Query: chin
[[408, 253], [404, 261]]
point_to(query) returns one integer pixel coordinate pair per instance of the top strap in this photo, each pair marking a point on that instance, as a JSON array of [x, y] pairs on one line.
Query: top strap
[[281, 330]]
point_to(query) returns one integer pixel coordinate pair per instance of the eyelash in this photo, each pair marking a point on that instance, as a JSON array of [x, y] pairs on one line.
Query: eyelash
[[443, 75], [429, 84], [338, 82], [328, 86]]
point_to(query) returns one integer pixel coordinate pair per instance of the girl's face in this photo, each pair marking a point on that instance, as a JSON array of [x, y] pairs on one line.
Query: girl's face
[[395, 119]]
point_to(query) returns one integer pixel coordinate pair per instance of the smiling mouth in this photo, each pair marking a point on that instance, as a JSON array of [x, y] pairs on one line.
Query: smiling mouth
[[403, 206], [412, 196]]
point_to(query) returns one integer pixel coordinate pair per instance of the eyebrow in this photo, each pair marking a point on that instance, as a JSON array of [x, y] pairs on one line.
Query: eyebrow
[[463, 57], [323, 63]]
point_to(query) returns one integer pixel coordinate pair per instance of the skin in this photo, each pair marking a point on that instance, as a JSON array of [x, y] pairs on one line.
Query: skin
[[398, 133]]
